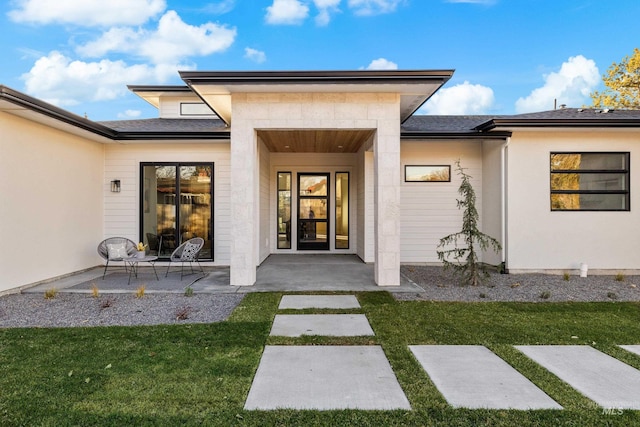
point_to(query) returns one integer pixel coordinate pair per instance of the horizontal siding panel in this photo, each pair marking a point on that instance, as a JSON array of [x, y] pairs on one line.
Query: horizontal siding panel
[[428, 211], [123, 162]]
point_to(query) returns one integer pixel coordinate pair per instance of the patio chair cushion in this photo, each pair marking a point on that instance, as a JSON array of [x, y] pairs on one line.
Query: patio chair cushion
[[190, 251], [117, 251]]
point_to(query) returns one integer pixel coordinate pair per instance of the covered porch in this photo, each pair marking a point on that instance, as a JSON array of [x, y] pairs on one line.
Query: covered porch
[[276, 116]]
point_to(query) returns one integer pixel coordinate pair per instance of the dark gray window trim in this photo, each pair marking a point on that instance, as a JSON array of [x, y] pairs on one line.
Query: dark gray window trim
[[626, 171]]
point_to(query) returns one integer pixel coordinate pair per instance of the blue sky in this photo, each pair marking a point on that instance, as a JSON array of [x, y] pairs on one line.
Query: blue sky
[[510, 56]]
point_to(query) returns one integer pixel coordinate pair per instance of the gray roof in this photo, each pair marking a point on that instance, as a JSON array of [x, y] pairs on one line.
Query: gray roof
[[416, 126], [167, 125]]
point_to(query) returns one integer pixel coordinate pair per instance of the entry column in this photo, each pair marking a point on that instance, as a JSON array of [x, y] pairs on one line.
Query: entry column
[[387, 200], [244, 211]]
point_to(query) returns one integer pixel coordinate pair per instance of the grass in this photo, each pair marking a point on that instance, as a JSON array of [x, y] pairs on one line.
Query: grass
[[201, 374]]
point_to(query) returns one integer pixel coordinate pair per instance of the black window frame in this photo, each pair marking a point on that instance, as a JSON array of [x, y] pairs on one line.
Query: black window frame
[[177, 165], [626, 172]]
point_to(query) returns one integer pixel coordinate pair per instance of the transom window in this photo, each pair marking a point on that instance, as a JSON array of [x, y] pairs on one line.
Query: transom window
[[590, 181]]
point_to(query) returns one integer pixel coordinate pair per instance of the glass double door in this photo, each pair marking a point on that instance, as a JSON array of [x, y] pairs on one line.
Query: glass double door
[[313, 211]]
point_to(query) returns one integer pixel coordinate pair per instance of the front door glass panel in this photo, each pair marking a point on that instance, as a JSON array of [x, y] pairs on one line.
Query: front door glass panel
[[313, 211]]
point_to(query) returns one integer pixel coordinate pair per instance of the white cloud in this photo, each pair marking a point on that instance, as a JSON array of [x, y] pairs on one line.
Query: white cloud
[[373, 7], [382, 64], [170, 43], [87, 13], [255, 55], [325, 9], [130, 114], [59, 80], [290, 12], [464, 98], [577, 78], [220, 7]]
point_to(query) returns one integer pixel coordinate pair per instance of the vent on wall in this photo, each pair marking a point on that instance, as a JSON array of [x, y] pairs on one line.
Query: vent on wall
[[195, 109]]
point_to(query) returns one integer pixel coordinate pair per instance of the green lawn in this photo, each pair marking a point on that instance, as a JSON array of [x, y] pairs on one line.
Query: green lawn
[[201, 374]]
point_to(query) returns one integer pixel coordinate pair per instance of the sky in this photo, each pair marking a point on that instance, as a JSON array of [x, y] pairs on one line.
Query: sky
[[509, 56]]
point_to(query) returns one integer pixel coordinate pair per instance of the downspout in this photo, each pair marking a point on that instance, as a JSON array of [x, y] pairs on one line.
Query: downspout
[[503, 201]]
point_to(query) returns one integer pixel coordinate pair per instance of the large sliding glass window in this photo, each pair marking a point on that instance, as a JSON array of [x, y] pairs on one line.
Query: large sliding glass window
[[284, 210], [342, 210], [590, 181], [176, 205]]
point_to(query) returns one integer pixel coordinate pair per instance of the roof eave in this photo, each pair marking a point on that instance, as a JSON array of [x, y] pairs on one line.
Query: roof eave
[[33, 104], [416, 135], [547, 123], [166, 136]]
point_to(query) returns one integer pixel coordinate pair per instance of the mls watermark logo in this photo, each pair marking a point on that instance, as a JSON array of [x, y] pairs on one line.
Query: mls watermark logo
[[612, 411]]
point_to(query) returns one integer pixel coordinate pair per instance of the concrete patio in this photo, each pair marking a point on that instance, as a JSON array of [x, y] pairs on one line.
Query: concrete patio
[[278, 273]]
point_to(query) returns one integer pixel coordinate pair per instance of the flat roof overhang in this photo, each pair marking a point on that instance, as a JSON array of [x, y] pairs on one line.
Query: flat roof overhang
[[415, 87]]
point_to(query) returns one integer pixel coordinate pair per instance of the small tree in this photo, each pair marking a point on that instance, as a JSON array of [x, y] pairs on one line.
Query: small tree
[[622, 82], [472, 239]]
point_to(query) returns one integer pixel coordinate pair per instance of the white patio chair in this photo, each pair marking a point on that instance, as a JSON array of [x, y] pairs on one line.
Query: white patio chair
[[188, 251], [116, 249]]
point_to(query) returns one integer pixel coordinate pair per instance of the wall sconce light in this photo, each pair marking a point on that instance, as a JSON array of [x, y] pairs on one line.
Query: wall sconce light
[[115, 186]]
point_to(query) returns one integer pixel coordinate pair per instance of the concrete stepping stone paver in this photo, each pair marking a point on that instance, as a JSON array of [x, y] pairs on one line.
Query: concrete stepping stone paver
[[334, 325], [632, 348], [472, 376], [325, 378], [300, 302], [605, 380]]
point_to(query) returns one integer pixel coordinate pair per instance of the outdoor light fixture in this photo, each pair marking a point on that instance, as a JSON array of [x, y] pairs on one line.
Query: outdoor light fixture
[[115, 186]]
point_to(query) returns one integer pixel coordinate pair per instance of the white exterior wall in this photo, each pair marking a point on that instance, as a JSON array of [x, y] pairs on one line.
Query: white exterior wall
[[492, 205], [266, 220], [429, 210], [365, 215], [122, 210], [52, 186], [314, 162], [540, 239]]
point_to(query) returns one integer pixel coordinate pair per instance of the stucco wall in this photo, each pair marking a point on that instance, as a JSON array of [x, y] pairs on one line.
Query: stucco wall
[[122, 210], [540, 239], [428, 209], [52, 186]]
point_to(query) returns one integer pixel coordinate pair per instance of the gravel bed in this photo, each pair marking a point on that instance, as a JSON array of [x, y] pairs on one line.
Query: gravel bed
[[439, 285], [73, 309]]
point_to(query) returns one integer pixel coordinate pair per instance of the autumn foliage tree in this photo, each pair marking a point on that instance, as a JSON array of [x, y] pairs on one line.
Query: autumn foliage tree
[[622, 81]]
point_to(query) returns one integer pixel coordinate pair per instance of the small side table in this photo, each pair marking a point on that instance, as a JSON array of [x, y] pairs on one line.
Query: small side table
[[133, 265]]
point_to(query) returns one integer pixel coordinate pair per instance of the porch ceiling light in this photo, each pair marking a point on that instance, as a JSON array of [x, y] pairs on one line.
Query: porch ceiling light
[[115, 186]]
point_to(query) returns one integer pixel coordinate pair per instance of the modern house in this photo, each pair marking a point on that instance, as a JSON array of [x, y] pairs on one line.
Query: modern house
[[261, 163]]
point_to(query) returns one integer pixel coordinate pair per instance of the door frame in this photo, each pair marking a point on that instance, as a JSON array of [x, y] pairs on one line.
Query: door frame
[[315, 246]]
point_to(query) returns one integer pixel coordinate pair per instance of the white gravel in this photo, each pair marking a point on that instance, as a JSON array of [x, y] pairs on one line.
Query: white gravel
[[74, 309], [439, 285], [81, 309]]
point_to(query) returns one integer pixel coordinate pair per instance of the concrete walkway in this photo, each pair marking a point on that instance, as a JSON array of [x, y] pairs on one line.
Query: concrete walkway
[[468, 376], [301, 302], [329, 325], [471, 376], [602, 378], [325, 378]]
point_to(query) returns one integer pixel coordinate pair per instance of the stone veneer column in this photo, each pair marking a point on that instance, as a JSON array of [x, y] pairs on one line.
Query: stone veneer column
[[387, 199], [244, 204]]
